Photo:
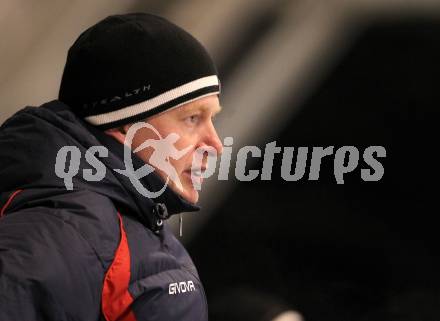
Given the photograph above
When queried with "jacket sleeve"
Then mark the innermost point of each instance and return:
(48, 270)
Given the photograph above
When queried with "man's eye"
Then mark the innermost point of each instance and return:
(193, 119)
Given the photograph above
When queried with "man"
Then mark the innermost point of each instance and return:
(97, 248)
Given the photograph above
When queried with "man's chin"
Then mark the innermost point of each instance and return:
(190, 195)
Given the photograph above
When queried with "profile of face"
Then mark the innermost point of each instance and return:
(183, 131)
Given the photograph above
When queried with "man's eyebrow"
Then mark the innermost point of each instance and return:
(204, 108)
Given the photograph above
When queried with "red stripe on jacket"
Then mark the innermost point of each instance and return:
(8, 202)
(116, 300)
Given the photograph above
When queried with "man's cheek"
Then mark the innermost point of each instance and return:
(180, 168)
(145, 154)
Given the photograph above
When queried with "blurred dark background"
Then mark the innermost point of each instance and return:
(362, 250)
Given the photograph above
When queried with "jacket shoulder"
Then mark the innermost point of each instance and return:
(51, 268)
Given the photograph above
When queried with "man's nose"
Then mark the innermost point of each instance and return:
(213, 140)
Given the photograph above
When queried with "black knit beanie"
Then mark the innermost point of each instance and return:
(129, 67)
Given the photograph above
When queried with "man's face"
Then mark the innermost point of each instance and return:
(193, 125)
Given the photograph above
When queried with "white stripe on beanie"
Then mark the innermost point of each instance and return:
(155, 102)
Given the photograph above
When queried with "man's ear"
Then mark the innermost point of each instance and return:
(118, 133)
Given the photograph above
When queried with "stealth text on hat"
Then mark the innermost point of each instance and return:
(127, 94)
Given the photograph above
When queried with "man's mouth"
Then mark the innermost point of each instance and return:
(196, 174)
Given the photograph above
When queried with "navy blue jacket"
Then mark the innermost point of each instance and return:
(97, 252)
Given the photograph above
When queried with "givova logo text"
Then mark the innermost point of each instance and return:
(181, 287)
